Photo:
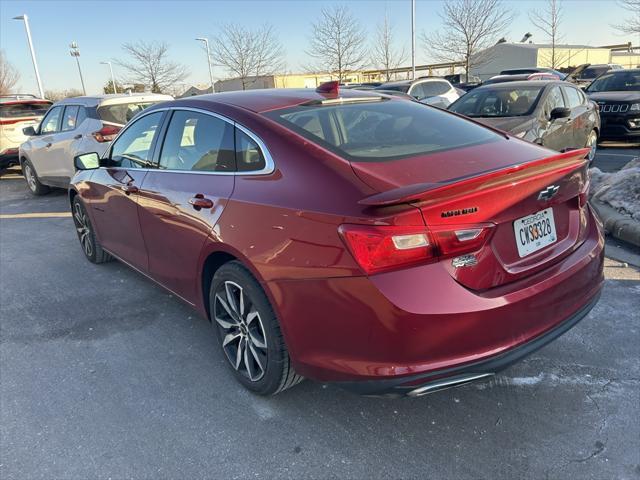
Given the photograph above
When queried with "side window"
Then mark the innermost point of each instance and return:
(132, 149)
(51, 121)
(573, 97)
(554, 100)
(69, 119)
(198, 142)
(82, 115)
(249, 157)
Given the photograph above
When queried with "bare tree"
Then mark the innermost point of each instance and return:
(247, 53)
(56, 95)
(150, 65)
(384, 54)
(632, 23)
(548, 21)
(337, 42)
(469, 27)
(9, 76)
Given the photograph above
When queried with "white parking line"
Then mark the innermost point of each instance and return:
(10, 177)
(36, 215)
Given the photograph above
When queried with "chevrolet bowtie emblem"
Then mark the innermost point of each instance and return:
(548, 193)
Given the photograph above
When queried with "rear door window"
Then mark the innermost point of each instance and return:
(574, 98)
(69, 118)
(198, 142)
(121, 113)
(382, 130)
(249, 156)
(51, 122)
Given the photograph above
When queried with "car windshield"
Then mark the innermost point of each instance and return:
(24, 109)
(619, 81)
(404, 88)
(382, 130)
(498, 102)
(121, 113)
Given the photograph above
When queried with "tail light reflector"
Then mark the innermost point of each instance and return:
(106, 134)
(383, 248)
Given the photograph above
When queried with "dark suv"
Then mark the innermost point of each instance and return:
(617, 93)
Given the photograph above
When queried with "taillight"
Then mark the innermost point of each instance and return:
(382, 248)
(106, 134)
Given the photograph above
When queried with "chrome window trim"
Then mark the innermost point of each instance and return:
(268, 169)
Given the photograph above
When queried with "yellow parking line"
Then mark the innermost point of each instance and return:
(37, 215)
(10, 177)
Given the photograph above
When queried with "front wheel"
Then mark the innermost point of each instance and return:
(249, 332)
(33, 182)
(592, 145)
(90, 245)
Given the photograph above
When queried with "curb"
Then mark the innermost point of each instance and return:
(619, 226)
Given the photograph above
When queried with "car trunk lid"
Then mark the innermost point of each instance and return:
(497, 198)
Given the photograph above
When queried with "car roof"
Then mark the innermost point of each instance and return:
(275, 98)
(522, 83)
(113, 99)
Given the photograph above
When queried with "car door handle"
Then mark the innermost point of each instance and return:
(129, 189)
(48, 145)
(78, 137)
(199, 201)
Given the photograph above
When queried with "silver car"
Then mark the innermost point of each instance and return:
(72, 127)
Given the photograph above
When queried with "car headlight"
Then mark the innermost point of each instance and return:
(635, 107)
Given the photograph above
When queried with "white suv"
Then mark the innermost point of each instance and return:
(16, 113)
(72, 127)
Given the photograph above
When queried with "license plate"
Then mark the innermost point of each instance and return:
(534, 232)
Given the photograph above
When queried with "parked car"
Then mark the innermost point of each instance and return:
(530, 70)
(347, 236)
(521, 77)
(617, 93)
(555, 114)
(590, 73)
(71, 127)
(362, 86)
(430, 90)
(459, 81)
(16, 113)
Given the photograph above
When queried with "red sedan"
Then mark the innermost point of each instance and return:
(347, 237)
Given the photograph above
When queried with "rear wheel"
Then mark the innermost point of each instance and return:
(249, 331)
(90, 245)
(30, 175)
(592, 144)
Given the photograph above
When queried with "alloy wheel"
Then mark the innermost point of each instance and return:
(83, 227)
(243, 336)
(592, 144)
(30, 176)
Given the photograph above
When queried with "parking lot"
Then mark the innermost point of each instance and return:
(105, 375)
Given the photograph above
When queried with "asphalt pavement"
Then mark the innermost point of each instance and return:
(613, 156)
(105, 375)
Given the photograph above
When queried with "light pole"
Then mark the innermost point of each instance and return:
(413, 39)
(113, 79)
(75, 52)
(33, 53)
(206, 45)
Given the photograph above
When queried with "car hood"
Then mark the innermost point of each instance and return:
(615, 96)
(508, 124)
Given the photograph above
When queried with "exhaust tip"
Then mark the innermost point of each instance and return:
(447, 383)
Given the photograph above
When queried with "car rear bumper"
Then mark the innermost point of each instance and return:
(405, 329)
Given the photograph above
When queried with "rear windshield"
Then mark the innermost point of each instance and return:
(498, 102)
(122, 112)
(24, 109)
(382, 130)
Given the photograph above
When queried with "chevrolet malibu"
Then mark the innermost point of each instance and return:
(348, 237)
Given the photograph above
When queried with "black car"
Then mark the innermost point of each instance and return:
(552, 113)
(617, 93)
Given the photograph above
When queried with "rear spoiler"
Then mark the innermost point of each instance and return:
(563, 163)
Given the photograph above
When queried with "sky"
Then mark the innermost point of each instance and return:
(100, 29)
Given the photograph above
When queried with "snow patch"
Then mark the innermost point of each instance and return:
(620, 190)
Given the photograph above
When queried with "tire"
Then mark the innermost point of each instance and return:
(592, 143)
(90, 245)
(33, 182)
(243, 316)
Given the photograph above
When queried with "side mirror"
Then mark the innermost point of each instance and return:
(87, 161)
(560, 112)
(29, 131)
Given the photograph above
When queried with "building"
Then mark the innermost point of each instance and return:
(287, 80)
(626, 59)
(195, 90)
(503, 56)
